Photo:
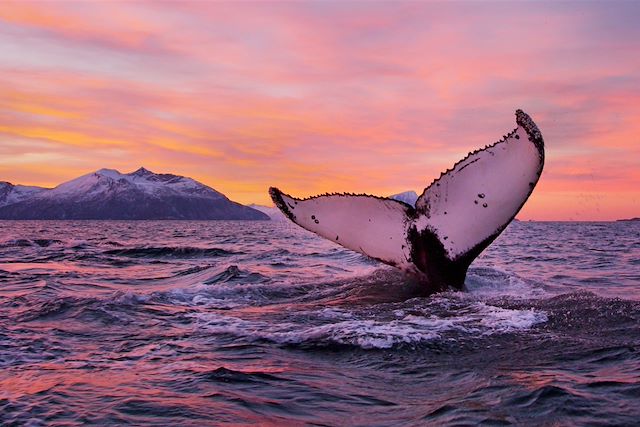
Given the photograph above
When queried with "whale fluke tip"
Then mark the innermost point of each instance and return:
(523, 120)
(276, 196)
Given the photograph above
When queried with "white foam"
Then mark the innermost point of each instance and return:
(476, 319)
(211, 302)
(506, 320)
(334, 313)
(494, 282)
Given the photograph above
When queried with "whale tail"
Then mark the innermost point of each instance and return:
(452, 222)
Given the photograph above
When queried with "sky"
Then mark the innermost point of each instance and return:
(324, 96)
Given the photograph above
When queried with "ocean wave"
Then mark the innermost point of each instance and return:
(171, 252)
(226, 375)
(111, 308)
(23, 243)
(235, 274)
(230, 290)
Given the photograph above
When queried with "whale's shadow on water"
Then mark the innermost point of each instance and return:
(382, 286)
(389, 285)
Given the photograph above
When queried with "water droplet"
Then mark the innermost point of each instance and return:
(484, 205)
(481, 195)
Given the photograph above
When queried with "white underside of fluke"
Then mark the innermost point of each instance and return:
(466, 208)
(481, 194)
(373, 226)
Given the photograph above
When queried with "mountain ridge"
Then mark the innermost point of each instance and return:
(110, 194)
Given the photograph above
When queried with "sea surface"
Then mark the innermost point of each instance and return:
(221, 322)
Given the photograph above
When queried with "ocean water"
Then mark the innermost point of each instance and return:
(209, 323)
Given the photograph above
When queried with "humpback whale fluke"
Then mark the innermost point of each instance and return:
(452, 222)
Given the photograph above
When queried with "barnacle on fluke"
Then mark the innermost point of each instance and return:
(439, 237)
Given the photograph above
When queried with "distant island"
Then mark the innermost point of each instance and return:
(274, 213)
(110, 195)
(409, 197)
(628, 220)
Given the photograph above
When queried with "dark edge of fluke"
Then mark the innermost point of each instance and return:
(535, 136)
(276, 196)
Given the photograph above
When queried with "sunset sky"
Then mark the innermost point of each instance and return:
(323, 96)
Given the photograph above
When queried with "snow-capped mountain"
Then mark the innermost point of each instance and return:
(10, 193)
(409, 197)
(109, 194)
(107, 181)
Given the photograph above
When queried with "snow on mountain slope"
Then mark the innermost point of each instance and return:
(109, 194)
(109, 180)
(10, 193)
